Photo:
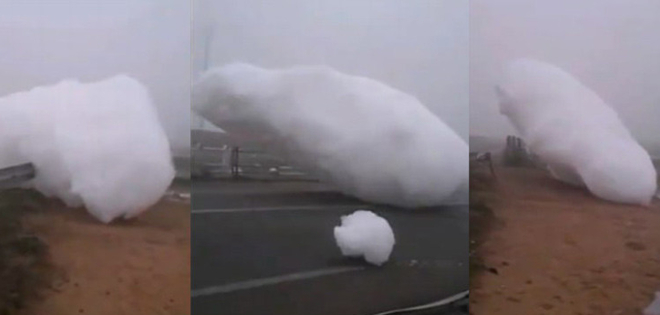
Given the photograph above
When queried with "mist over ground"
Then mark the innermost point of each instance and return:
(609, 45)
(419, 47)
(44, 42)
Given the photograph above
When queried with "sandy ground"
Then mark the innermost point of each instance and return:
(135, 267)
(555, 249)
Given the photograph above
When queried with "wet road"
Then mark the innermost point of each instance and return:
(270, 251)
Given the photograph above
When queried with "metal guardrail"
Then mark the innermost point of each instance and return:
(235, 162)
(14, 176)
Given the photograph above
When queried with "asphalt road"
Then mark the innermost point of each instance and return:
(272, 251)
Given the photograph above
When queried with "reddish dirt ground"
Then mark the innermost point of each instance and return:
(124, 268)
(555, 249)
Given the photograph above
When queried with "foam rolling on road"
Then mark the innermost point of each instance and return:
(272, 251)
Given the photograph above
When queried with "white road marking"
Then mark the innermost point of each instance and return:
(255, 283)
(442, 302)
(314, 207)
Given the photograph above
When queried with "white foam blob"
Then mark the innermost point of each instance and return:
(365, 234)
(371, 140)
(576, 133)
(98, 145)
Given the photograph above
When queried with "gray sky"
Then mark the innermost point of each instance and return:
(612, 46)
(46, 41)
(417, 46)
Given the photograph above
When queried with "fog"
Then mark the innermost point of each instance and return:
(419, 47)
(44, 42)
(609, 45)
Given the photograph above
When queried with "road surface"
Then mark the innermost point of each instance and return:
(260, 248)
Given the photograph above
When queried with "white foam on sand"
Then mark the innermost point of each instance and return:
(98, 145)
(576, 133)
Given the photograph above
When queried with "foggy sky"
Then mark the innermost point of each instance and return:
(611, 46)
(419, 47)
(44, 42)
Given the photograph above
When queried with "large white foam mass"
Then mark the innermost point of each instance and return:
(372, 141)
(99, 144)
(575, 132)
